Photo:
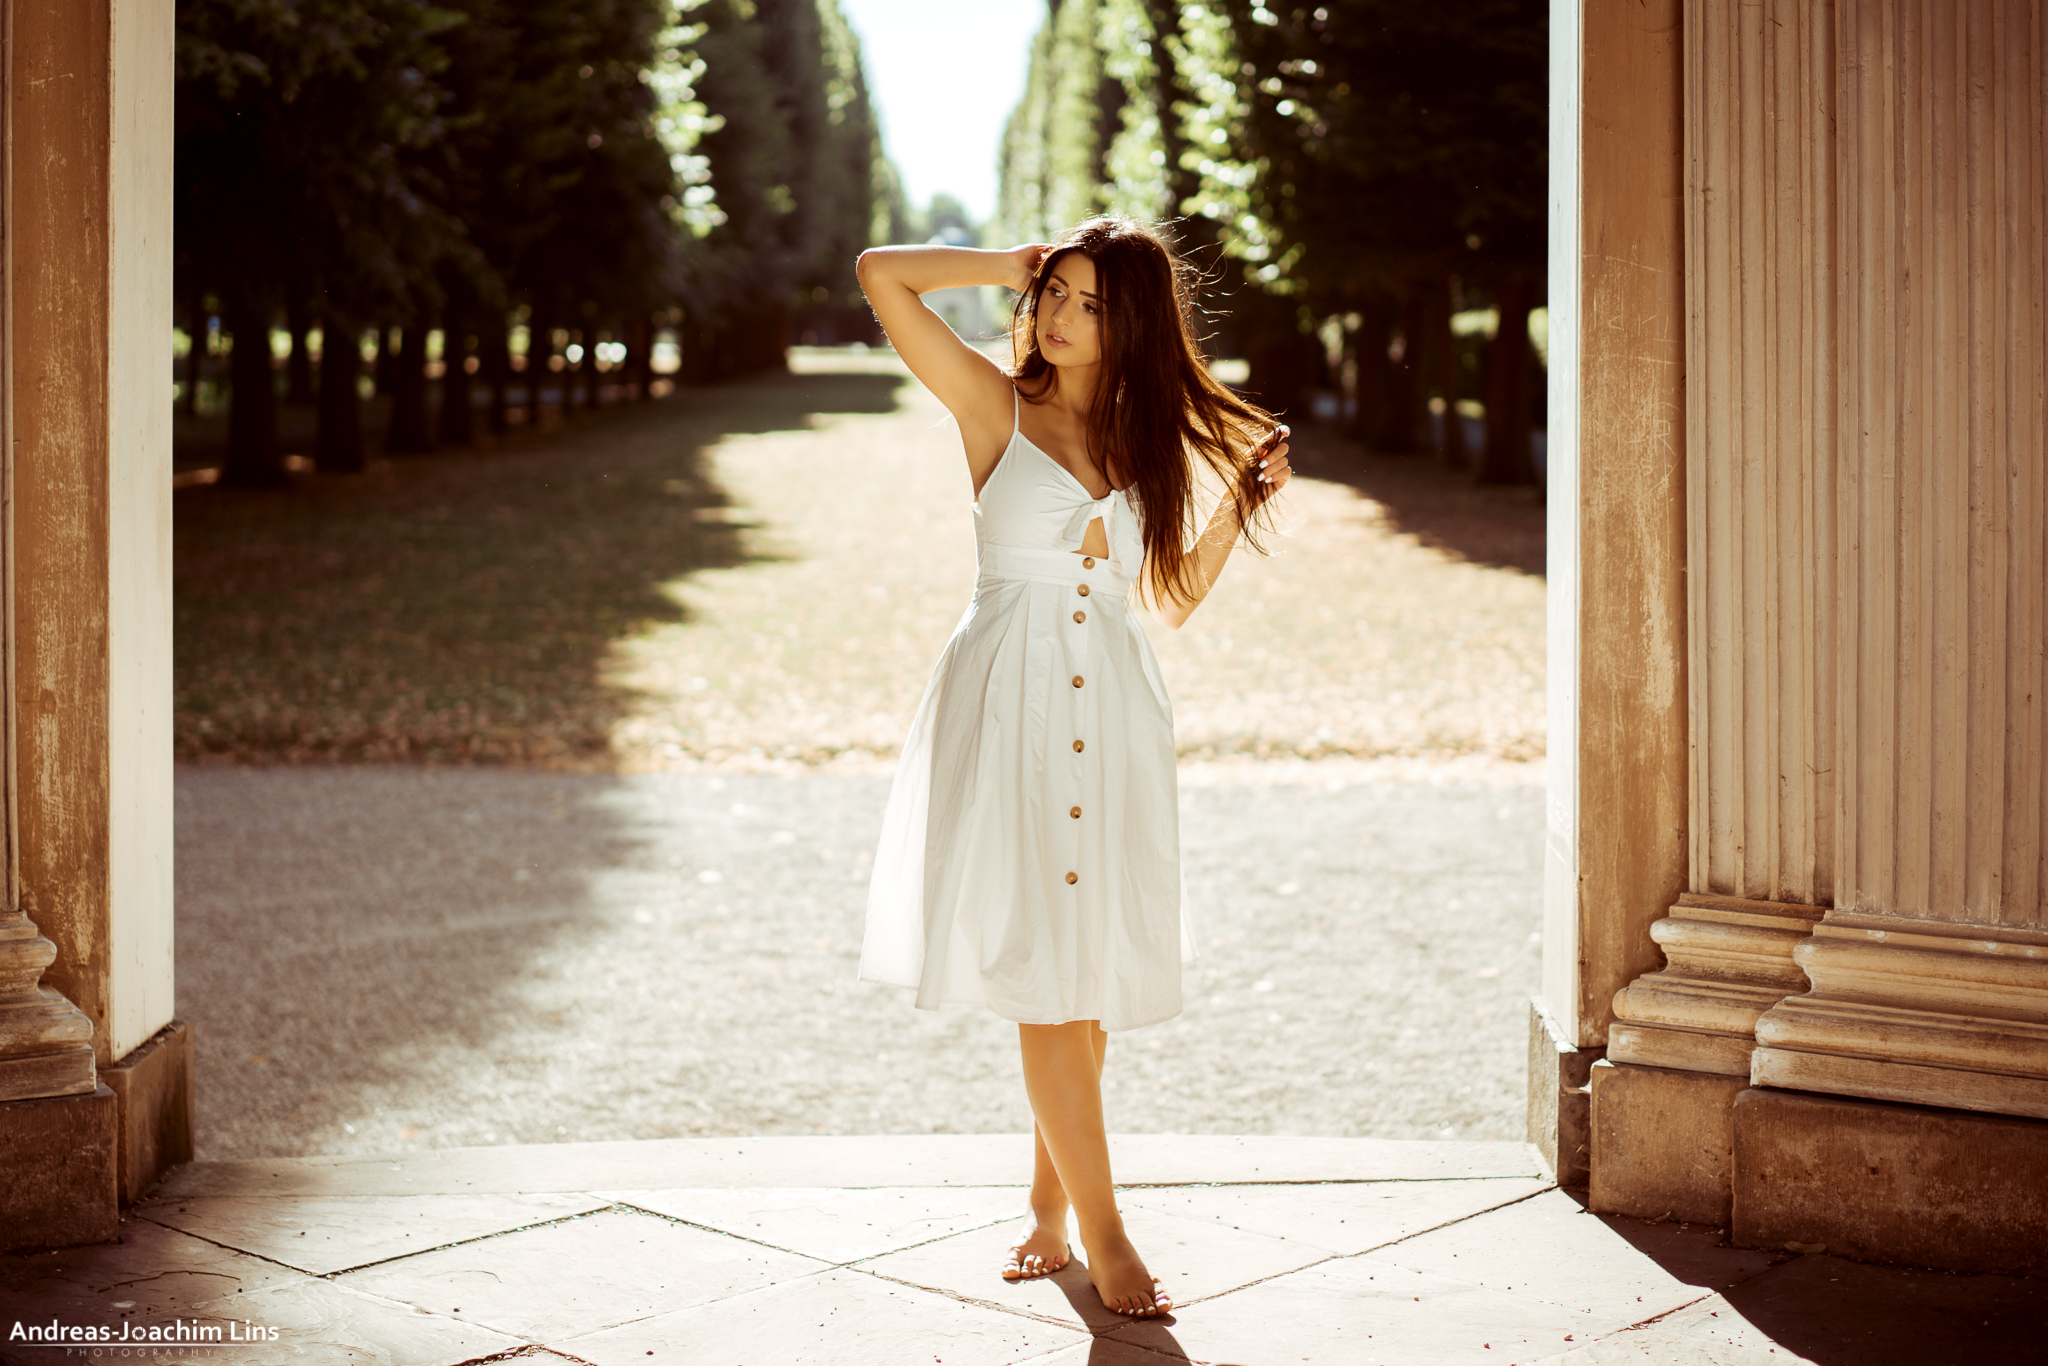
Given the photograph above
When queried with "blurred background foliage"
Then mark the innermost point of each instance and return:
(508, 195)
(1358, 179)
(471, 211)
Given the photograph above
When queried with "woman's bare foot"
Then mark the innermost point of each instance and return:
(1043, 1251)
(1120, 1277)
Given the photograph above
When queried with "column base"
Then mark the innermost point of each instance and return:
(1903, 1184)
(59, 1154)
(1560, 1106)
(1663, 1142)
(154, 1087)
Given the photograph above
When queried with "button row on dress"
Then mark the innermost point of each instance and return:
(1075, 813)
(1080, 616)
(1073, 877)
(1082, 589)
(1078, 746)
(1077, 680)
(1087, 561)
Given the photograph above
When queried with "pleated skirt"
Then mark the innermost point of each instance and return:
(1030, 850)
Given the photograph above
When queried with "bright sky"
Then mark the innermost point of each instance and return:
(944, 75)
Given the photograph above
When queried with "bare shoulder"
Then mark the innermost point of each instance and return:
(986, 425)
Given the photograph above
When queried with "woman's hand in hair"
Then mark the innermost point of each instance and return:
(1025, 261)
(1269, 467)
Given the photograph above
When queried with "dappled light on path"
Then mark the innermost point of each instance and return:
(1355, 639)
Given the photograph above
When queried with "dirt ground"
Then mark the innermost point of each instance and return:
(1357, 637)
(759, 576)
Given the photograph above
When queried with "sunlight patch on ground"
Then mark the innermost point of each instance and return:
(1353, 641)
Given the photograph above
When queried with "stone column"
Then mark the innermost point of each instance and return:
(1759, 551)
(1867, 548)
(1615, 852)
(89, 110)
(1930, 973)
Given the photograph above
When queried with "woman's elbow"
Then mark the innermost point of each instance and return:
(870, 262)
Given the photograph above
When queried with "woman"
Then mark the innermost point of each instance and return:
(1030, 855)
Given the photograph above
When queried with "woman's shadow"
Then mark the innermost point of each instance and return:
(1152, 1335)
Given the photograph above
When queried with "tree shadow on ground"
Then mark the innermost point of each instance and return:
(460, 606)
(1500, 527)
(1841, 1313)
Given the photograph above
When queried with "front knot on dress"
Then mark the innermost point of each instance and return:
(1085, 512)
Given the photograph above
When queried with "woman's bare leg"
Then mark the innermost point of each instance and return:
(1062, 1074)
(1044, 1249)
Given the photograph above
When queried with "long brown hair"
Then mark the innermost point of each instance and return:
(1157, 409)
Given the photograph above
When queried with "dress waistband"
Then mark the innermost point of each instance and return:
(1009, 564)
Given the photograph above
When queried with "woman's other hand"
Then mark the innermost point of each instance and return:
(1024, 262)
(1269, 464)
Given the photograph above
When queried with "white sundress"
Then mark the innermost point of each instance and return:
(1030, 850)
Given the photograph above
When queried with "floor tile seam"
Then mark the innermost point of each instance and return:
(238, 1251)
(783, 1286)
(963, 1298)
(1350, 1256)
(399, 1257)
(1321, 1181)
(526, 1342)
(595, 1192)
(1323, 1260)
(1160, 1352)
(823, 1270)
(1451, 1223)
(760, 1242)
(1641, 1324)
(523, 1353)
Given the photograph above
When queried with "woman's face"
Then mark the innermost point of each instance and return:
(1070, 313)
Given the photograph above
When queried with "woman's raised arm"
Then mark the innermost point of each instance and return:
(1224, 528)
(973, 389)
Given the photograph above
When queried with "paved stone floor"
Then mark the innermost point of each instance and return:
(884, 1250)
(377, 959)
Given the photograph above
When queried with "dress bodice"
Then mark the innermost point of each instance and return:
(1031, 501)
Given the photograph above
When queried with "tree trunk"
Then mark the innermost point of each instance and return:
(1402, 424)
(253, 459)
(1375, 372)
(1277, 356)
(408, 433)
(586, 369)
(1441, 350)
(195, 358)
(458, 418)
(386, 372)
(1507, 459)
(697, 342)
(494, 362)
(339, 446)
(298, 367)
(537, 346)
(640, 358)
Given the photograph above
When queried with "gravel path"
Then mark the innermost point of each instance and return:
(384, 958)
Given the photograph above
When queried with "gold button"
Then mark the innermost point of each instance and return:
(1075, 813)
(1084, 590)
(1078, 746)
(1073, 877)
(1080, 616)
(1077, 680)
(1087, 561)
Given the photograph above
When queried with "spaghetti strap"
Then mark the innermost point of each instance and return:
(1016, 412)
